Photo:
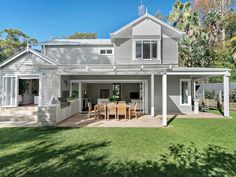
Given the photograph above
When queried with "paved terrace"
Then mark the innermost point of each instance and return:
(81, 120)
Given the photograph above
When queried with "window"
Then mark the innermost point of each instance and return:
(146, 49)
(75, 90)
(106, 51)
(185, 92)
(116, 91)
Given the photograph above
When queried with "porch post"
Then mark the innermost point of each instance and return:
(226, 94)
(40, 98)
(164, 99)
(152, 95)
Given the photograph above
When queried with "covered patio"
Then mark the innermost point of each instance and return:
(160, 90)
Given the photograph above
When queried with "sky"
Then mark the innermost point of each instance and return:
(46, 19)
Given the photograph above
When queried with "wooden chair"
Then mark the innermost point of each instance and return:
(121, 110)
(133, 111)
(111, 110)
(121, 102)
(101, 110)
(91, 112)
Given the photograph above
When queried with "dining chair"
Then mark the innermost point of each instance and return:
(91, 112)
(121, 102)
(133, 111)
(111, 110)
(121, 110)
(101, 110)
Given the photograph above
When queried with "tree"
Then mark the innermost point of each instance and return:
(183, 18)
(212, 22)
(13, 41)
(204, 7)
(195, 52)
(78, 35)
(230, 25)
(179, 14)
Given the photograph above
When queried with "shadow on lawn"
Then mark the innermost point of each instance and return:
(50, 158)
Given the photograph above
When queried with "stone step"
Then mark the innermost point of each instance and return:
(24, 113)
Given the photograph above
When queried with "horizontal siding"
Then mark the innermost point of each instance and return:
(51, 86)
(123, 51)
(20, 65)
(173, 92)
(78, 54)
(169, 51)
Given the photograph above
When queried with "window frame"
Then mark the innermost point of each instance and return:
(189, 92)
(150, 40)
(106, 49)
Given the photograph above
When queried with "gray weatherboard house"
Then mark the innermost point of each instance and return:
(141, 58)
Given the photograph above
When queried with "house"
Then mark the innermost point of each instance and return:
(139, 63)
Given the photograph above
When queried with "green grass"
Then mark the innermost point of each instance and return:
(191, 147)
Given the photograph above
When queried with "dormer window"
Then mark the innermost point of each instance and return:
(147, 49)
(106, 51)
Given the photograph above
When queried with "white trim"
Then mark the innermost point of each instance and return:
(26, 51)
(106, 48)
(196, 73)
(189, 92)
(42, 57)
(226, 95)
(4, 92)
(143, 59)
(143, 17)
(12, 58)
(152, 95)
(164, 100)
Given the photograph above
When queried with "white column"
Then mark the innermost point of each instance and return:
(194, 89)
(220, 97)
(226, 94)
(164, 99)
(40, 98)
(152, 95)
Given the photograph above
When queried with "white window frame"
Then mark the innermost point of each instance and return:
(189, 92)
(158, 49)
(14, 103)
(106, 49)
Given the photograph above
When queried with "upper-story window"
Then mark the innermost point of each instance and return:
(147, 49)
(106, 51)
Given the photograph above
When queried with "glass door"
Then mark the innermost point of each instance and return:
(9, 92)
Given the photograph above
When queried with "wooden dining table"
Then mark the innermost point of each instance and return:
(128, 107)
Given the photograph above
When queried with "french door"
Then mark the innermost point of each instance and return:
(9, 91)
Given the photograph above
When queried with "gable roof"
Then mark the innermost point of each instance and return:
(150, 17)
(45, 58)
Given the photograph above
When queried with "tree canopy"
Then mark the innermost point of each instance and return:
(210, 28)
(79, 35)
(13, 41)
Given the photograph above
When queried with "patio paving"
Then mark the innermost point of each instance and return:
(4, 124)
(80, 120)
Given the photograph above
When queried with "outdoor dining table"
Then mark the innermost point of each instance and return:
(128, 107)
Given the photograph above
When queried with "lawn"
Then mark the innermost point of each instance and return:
(191, 147)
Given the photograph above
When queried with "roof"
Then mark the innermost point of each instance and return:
(215, 86)
(198, 69)
(151, 17)
(45, 58)
(76, 42)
